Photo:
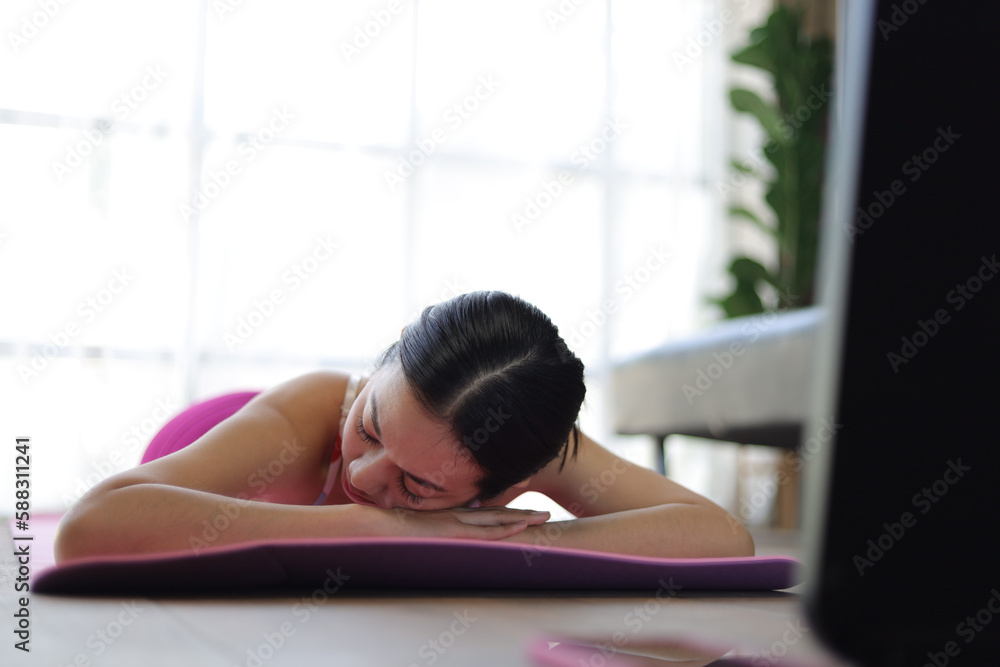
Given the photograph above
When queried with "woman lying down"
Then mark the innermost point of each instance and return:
(475, 404)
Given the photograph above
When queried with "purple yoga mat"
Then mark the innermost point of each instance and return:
(401, 563)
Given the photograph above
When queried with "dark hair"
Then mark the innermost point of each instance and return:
(494, 368)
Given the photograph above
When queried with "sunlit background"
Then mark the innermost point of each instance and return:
(205, 196)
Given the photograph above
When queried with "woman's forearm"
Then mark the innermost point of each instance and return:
(157, 518)
(664, 531)
(149, 518)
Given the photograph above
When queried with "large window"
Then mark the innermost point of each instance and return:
(208, 195)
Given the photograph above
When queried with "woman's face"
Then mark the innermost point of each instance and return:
(394, 455)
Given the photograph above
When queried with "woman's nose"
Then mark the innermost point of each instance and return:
(369, 474)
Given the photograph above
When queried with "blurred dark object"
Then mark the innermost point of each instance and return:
(905, 545)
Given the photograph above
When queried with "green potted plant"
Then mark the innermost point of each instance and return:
(795, 128)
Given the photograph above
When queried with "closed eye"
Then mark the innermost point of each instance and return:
(413, 498)
(363, 433)
(409, 495)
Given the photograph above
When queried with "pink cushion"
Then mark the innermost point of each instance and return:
(193, 423)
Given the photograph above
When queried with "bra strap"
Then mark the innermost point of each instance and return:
(352, 393)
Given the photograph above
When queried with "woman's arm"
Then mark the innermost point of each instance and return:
(252, 477)
(156, 518)
(624, 508)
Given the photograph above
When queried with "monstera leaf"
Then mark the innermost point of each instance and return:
(744, 300)
(795, 126)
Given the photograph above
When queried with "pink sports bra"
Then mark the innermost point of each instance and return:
(331, 476)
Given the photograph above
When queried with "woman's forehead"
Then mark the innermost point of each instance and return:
(417, 443)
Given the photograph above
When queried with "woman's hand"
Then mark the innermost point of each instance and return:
(490, 523)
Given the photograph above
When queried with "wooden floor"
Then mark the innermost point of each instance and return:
(411, 629)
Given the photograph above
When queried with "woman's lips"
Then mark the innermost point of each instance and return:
(353, 494)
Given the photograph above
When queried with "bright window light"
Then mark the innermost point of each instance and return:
(198, 197)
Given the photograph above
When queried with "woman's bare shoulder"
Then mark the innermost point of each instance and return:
(294, 424)
(308, 399)
(319, 382)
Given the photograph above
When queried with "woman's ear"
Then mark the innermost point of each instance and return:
(523, 484)
(506, 496)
